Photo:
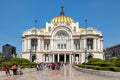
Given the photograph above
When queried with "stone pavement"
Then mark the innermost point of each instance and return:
(66, 73)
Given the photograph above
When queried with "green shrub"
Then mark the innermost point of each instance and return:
(1, 59)
(94, 60)
(117, 69)
(19, 60)
(114, 59)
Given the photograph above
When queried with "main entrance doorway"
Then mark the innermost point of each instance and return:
(62, 58)
(65, 58)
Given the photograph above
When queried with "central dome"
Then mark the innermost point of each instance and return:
(62, 18)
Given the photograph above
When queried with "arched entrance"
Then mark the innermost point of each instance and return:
(90, 56)
(33, 58)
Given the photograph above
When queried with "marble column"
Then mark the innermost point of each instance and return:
(94, 44)
(51, 44)
(25, 44)
(85, 46)
(72, 44)
(70, 58)
(38, 48)
(42, 44)
(29, 44)
(58, 57)
(53, 59)
(98, 44)
(64, 57)
(81, 44)
(79, 58)
(22, 45)
(101, 45)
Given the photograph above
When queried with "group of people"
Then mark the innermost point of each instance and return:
(15, 68)
(55, 67)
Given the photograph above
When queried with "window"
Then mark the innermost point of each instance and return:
(34, 31)
(89, 32)
(65, 46)
(47, 46)
(61, 46)
(90, 44)
(58, 46)
(74, 28)
(49, 29)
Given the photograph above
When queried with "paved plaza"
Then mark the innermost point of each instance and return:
(66, 73)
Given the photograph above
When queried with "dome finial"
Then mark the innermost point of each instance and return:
(62, 11)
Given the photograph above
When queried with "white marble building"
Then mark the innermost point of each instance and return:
(62, 40)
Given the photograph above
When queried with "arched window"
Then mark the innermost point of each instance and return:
(90, 44)
(89, 32)
(33, 44)
(34, 31)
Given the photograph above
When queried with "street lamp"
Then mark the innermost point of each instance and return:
(30, 58)
(86, 45)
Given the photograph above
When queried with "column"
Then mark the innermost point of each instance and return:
(22, 45)
(58, 57)
(98, 44)
(94, 44)
(65, 58)
(69, 43)
(85, 46)
(72, 44)
(81, 44)
(54, 44)
(25, 45)
(51, 44)
(79, 58)
(38, 48)
(101, 45)
(70, 59)
(43, 44)
(41, 59)
(53, 59)
(29, 44)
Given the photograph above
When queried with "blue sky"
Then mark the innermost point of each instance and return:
(17, 16)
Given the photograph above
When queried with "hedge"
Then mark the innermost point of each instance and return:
(116, 69)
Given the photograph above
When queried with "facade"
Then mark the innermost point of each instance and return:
(8, 52)
(62, 40)
(113, 51)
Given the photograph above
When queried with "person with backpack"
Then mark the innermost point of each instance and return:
(6, 69)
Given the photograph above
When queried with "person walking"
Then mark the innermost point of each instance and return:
(19, 70)
(14, 68)
(6, 69)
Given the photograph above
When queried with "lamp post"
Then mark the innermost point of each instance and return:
(86, 45)
(30, 58)
(36, 50)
